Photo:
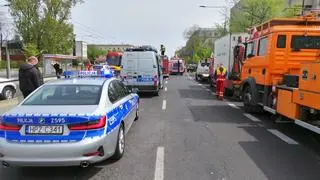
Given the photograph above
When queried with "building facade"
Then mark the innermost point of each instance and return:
(81, 50)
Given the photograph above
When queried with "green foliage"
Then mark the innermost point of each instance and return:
(44, 23)
(30, 50)
(220, 30)
(13, 64)
(249, 13)
(94, 52)
(292, 11)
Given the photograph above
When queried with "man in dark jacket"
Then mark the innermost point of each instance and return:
(30, 77)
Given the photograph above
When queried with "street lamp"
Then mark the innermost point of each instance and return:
(5, 5)
(203, 6)
(217, 7)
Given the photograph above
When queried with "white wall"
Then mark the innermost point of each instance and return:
(81, 49)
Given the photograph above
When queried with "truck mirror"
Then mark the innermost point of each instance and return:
(250, 55)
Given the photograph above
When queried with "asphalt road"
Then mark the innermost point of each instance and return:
(186, 134)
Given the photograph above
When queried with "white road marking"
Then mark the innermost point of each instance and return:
(208, 90)
(164, 104)
(200, 84)
(283, 137)
(213, 93)
(252, 118)
(165, 89)
(166, 82)
(158, 173)
(233, 105)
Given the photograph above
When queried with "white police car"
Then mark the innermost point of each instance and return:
(69, 122)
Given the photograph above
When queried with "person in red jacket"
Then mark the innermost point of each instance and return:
(89, 66)
(220, 75)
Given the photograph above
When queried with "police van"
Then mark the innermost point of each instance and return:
(141, 69)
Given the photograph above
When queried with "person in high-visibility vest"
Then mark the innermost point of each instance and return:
(162, 49)
(220, 75)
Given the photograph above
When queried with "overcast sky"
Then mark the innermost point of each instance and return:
(140, 22)
(137, 22)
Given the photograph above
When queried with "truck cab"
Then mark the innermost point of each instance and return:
(273, 56)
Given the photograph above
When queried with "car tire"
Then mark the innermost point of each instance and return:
(156, 93)
(137, 113)
(120, 147)
(8, 93)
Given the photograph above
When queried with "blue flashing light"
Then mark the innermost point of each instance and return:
(104, 71)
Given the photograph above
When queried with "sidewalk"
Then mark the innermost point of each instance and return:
(6, 105)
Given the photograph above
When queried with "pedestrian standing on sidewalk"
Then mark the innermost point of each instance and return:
(30, 77)
(58, 70)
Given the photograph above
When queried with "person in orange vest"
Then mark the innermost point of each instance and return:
(220, 75)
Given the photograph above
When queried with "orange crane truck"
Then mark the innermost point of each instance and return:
(281, 73)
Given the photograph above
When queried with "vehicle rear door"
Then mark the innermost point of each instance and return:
(147, 68)
(130, 68)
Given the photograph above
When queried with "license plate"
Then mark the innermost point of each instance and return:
(56, 130)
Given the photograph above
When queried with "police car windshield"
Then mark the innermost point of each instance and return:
(66, 95)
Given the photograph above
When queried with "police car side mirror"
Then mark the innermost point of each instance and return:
(133, 90)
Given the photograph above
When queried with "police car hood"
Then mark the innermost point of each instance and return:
(31, 109)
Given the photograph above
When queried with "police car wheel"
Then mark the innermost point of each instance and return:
(137, 113)
(120, 144)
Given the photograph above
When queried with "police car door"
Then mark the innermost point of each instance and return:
(129, 104)
(115, 113)
(122, 104)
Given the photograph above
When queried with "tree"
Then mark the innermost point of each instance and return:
(248, 13)
(292, 11)
(220, 30)
(190, 31)
(94, 52)
(44, 23)
(30, 50)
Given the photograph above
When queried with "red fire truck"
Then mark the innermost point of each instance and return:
(176, 66)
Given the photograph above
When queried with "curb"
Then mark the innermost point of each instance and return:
(11, 102)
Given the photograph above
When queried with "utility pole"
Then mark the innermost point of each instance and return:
(302, 9)
(8, 61)
(0, 42)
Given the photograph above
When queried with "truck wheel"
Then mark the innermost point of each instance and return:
(249, 105)
(305, 114)
(228, 92)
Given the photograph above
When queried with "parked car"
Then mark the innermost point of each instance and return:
(7, 89)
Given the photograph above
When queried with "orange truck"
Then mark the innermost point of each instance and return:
(280, 73)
